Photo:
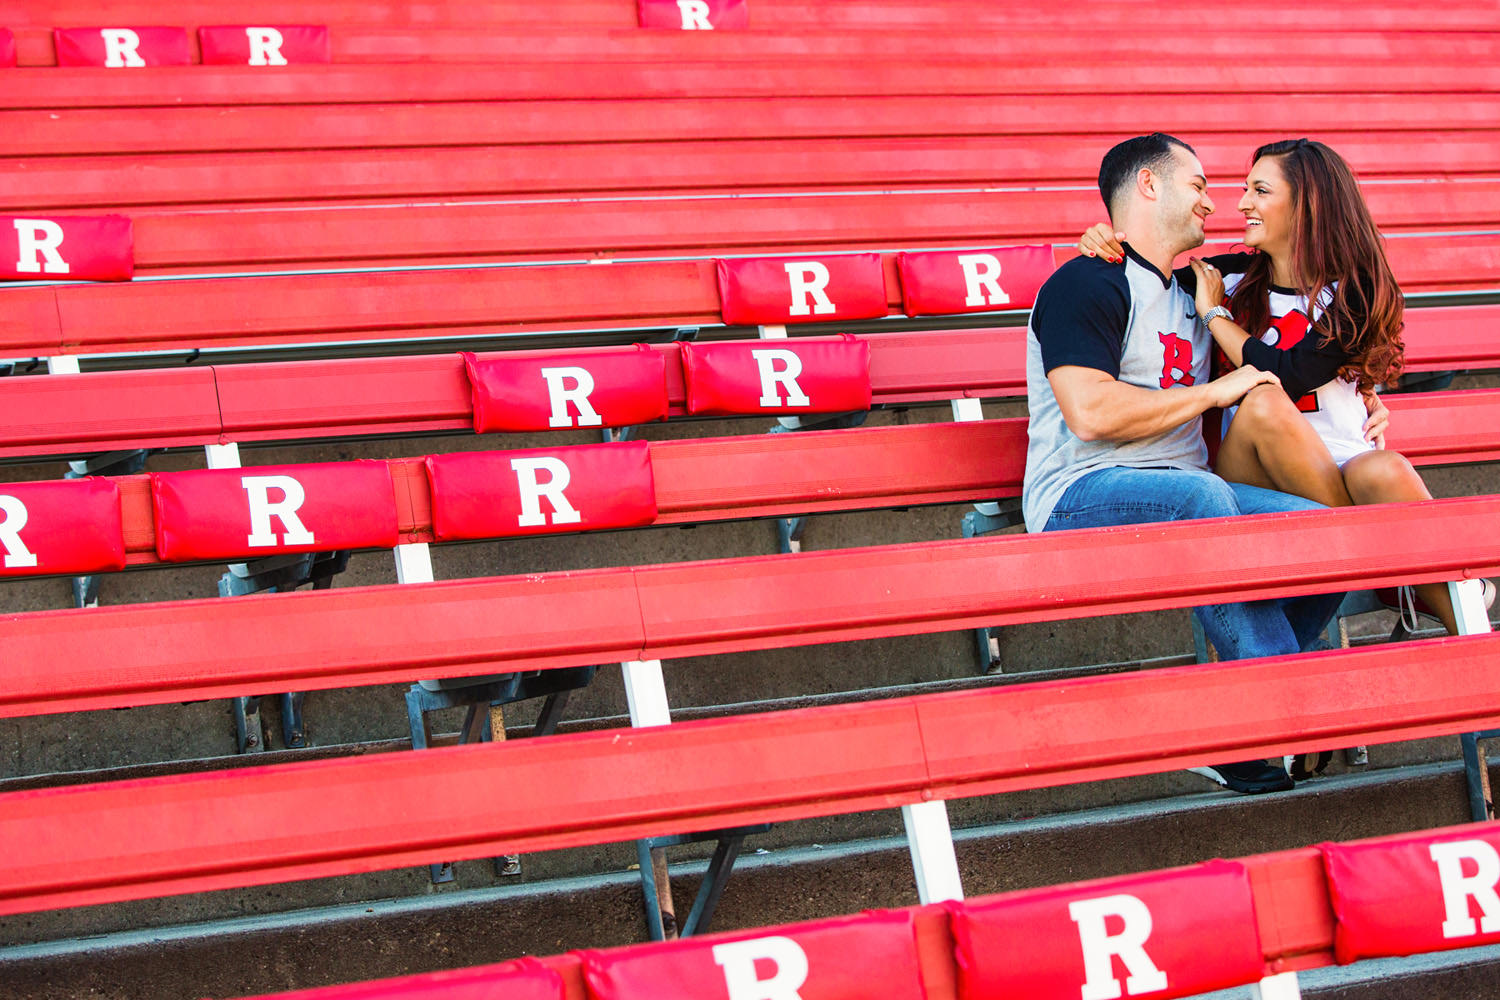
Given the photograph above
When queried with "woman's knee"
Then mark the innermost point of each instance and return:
(1268, 407)
(1383, 477)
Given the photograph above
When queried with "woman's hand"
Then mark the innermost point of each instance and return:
(1102, 241)
(1378, 420)
(1210, 291)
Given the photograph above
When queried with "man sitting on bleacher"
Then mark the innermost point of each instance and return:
(1117, 374)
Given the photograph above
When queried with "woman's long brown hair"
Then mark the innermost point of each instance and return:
(1336, 249)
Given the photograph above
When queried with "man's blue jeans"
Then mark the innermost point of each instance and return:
(1121, 495)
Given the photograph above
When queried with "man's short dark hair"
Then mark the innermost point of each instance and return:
(1120, 164)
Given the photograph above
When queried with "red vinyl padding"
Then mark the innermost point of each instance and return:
(70, 526)
(694, 15)
(120, 47)
(836, 959)
(264, 45)
(66, 248)
(1173, 934)
(1412, 894)
(535, 391)
(541, 491)
(805, 375)
(268, 510)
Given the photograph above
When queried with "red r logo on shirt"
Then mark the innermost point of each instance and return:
(1287, 332)
(1177, 360)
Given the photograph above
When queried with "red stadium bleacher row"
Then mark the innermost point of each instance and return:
(237, 178)
(785, 15)
(281, 401)
(458, 231)
(1171, 933)
(98, 525)
(356, 43)
(372, 83)
(1034, 152)
(791, 289)
(414, 304)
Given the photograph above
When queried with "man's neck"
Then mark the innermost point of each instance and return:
(1149, 248)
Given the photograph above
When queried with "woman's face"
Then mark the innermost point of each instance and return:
(1267, 207)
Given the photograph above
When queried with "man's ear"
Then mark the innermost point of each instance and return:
(1145, 183)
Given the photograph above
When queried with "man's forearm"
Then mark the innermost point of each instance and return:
(1118, 411)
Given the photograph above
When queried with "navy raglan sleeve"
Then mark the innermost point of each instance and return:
(1303, 367)
(1081, 315)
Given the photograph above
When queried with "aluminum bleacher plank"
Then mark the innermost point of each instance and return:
(103, 657)
(1437, 428)
(709, 479)
(1392, 700)
(162, 408)
(344, 816)
(48, 87)
(469, 124)
(1032, 44)
(869, 15)
(291, 400)
(406, 305)
(344, 398)
(698, 609)
(465, 629)
(389, 305)
(311, 176)
(624, 227)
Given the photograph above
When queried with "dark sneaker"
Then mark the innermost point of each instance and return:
(1302, 766)
(1251, 776)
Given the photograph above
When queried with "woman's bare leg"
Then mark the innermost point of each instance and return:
(1271, 444)
(1387, 477)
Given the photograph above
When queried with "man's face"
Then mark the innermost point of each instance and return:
(1183, 205)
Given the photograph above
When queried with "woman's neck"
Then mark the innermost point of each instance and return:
(1281, 271)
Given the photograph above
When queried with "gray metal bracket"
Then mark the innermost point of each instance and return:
(1477, 774)
(478, 700)
(976, 523)
(661, 922)
(789, 529)
(277, 574)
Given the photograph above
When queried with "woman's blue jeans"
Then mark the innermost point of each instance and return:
(1247, 629)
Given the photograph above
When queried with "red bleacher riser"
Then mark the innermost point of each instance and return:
(872, 15)
(219, 85)
(468, 124)
(108, 657)
(319, 175)
(345, 816)
(1015, 45)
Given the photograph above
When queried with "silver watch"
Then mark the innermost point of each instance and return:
(1215, 313)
